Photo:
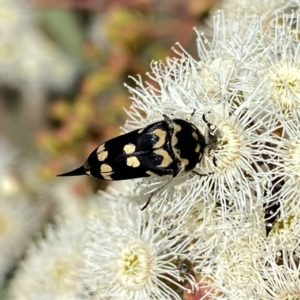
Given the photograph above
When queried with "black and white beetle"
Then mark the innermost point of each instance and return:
(163, 148)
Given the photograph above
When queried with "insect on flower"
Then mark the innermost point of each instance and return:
(163, 148)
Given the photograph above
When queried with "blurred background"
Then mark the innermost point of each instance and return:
(63, 65)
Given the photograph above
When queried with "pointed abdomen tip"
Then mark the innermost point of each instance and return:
(77, 172)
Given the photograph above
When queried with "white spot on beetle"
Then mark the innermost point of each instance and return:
(102, 155)
(133, 161)
(198, 147)
(174, 139)
(129, 148)
(167, 159)
(101, 148)
(161, 134)
(106, 171)
(195, 136)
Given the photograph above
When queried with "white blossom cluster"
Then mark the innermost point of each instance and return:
(28, 59)
(19, 217)
(230, 232)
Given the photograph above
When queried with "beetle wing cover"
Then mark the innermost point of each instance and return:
(133, 155)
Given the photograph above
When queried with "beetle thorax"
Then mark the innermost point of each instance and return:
(176, 145)
(187, 144)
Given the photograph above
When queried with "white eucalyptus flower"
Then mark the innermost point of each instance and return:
(280, 67)
(43, 65)
(19, 220)
(244, 95)
(10, 57)
(204, 233)
(230, 111)
(52, 267)
(251, 8)
(15, 16)
(128, 257)
(280, 276)
(285, 184)
(8, 155)
(231, 262)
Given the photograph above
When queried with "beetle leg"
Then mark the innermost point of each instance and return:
(155, 192)
(202, 175)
